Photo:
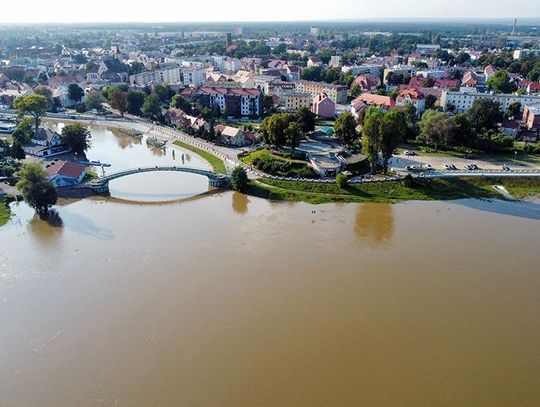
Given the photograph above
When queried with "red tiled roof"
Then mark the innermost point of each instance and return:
(65, 168)
(372, 99)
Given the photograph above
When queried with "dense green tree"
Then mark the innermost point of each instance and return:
(341, 181)
(75, 92)
(306, 120)
(435, 129)
(24, 131)
(293, 135)
(484, 114)
(273, 128)
(430, 101)
(179, 102)
(77, 137)
(514, 110)
(37, 190)
(345, 128)
(371, 136)
(356, 90)
(33, 105)
(239, 179)
(135, 102)
(393, 131)
(94, 100)
(164, 93)
(152, 108)
(500, 83)
(47, 92)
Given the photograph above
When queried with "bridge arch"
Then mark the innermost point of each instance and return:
(101, 184)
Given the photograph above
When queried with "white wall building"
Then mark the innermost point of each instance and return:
(463, 101)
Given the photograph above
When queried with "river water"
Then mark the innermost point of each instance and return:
(228, 300)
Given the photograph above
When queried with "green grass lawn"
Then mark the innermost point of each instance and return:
(437, 189)
(276, 164)
(216, 162)
(266, 155)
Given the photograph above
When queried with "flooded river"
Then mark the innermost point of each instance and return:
(228, 300)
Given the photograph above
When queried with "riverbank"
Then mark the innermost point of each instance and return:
(392, 192)
(217, 163)
(5, 212)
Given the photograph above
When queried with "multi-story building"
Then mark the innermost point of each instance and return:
(463, 101)
(234, 102)
(531, 116)
(293, 101)
(169, 75)
(411, 96)
(193, 76)
(337, 93)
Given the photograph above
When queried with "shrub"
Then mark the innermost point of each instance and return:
(341, 181)
(408, 181)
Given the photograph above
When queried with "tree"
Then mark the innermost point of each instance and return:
(484, 115)
(430, 101)
(293, 135)
(118, 101)
(514, 110)
(371, 135)
(75, 92)
(135, 102)
(47, 92)
(435, 129)
(36, 188)
(94, 100)
(77, 137)
(306, 120)
(345, 128)
(393, 131)
(273, 128)
(152, 108)
(24, 131)
(179, 102)
(164, 92)
(356, 90)
(500, 83)
(239, 179)
(33, 105)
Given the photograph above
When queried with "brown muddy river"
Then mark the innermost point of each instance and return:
(225, 300)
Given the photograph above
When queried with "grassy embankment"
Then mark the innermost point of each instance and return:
(423, 190)
(274, 163)
(5, 213)
(216, 162)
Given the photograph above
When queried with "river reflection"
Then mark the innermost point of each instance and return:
(240, 203)
(374, 223)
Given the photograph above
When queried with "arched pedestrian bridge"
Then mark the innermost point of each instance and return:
(101, 184)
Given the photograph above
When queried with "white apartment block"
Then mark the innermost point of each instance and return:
(167, 75)
(193, 76)
(463, 101)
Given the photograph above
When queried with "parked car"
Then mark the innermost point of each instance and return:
(505, 167)
(409, 152)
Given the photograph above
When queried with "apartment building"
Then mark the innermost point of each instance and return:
(235, 102)
(171, 75)
(294, 101)
(463, 101)
(337, 93)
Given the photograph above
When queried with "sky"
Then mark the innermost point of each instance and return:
(68, 11)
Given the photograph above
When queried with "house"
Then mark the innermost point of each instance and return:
(112, 70)
(65, 173)
(313, 62)
(370, 99)
(531, 116)
(60, 88)
(489, 71)
(174, 117)
(510, 128)
(45, 142)
(323, 106)
(411, 96)
(231, 136)
(367, 83)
